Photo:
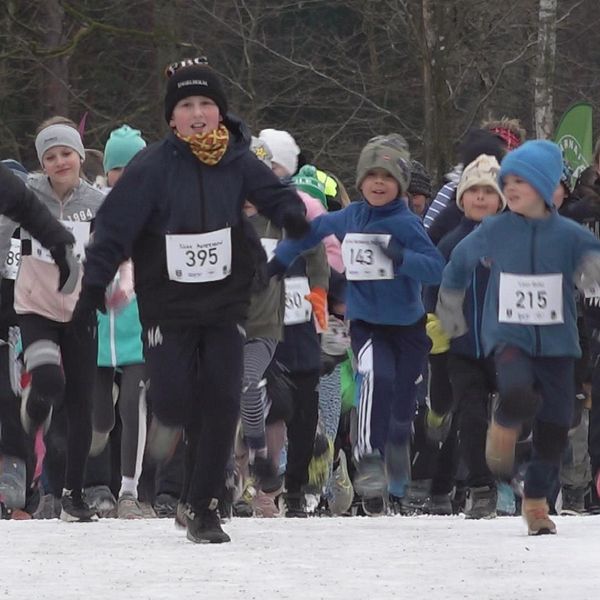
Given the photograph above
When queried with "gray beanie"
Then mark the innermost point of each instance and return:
(58, 135)
(389, 152)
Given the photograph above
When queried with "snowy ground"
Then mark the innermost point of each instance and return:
(427, 558)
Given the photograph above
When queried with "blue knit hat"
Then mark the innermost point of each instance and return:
(122, 145)
(539, 163)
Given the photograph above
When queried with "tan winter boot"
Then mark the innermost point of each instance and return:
(500, 449)
(535, 512)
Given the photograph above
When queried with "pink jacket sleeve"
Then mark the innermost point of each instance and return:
(333, 248)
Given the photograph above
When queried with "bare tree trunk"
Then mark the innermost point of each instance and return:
(55, 95)
(544, 75)
(434, 93)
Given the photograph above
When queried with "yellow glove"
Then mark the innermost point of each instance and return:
(438, 337)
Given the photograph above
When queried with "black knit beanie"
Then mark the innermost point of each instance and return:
(194, 80)
(420, 182)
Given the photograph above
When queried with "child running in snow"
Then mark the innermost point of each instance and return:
(120, 347)
(387, 256)
(529, 320)
(60, 354)
(470, 372)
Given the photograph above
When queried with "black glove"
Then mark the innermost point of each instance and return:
(68, 267)
(393, 250)
(275, 268)
(295, 225)
(91, 299)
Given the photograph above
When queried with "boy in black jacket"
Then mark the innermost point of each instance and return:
(177, 211)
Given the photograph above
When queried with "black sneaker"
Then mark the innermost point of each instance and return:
(265, 474)
(438, 504)
(204, 525)
(295, 506)
(74, 507)
(370, 479)
(165, 506)
(481, 502)
(573, 500)
(375, 506)
(416, 496)
(242, 509)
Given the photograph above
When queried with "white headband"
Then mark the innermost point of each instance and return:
(58, 135)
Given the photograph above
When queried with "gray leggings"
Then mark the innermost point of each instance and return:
(132, 409)
(258, 353)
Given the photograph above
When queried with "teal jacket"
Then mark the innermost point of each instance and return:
(120, 337)
(510, 243)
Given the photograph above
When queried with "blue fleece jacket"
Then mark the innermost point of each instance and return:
(385, 302)
(510, 243)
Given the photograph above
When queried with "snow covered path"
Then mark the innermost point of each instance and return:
(427, 558)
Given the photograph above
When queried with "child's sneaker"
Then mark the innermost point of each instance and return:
(342, 492)
(535, 513)
(370, 480)
(102, 501)
(264, 505)
(204, 525)
(438, 504)
(294, 505)
(165, 506)
(128, 507)
(48, 508)
(415, 497)
(500, 449)
(573, 500)
(506, 505)
(318, 468)
(481, 502)
(375, 506)
(75, 508)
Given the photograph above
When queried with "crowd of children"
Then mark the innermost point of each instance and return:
(209, 328)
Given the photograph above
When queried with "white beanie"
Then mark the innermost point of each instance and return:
(283, 147)
(483, 170)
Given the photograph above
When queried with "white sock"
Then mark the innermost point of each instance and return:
(128, 486)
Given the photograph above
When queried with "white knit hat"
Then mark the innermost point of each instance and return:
(483, 170)
(283, 147)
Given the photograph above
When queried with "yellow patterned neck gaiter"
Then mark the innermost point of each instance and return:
(210, 147)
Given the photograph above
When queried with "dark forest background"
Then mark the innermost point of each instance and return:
(333, 73)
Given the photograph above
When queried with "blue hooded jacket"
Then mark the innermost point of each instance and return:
(386, 302)
(511, 243)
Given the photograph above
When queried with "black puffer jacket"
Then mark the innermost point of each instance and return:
(167, 190)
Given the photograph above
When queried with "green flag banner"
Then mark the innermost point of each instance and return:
(574, 136)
